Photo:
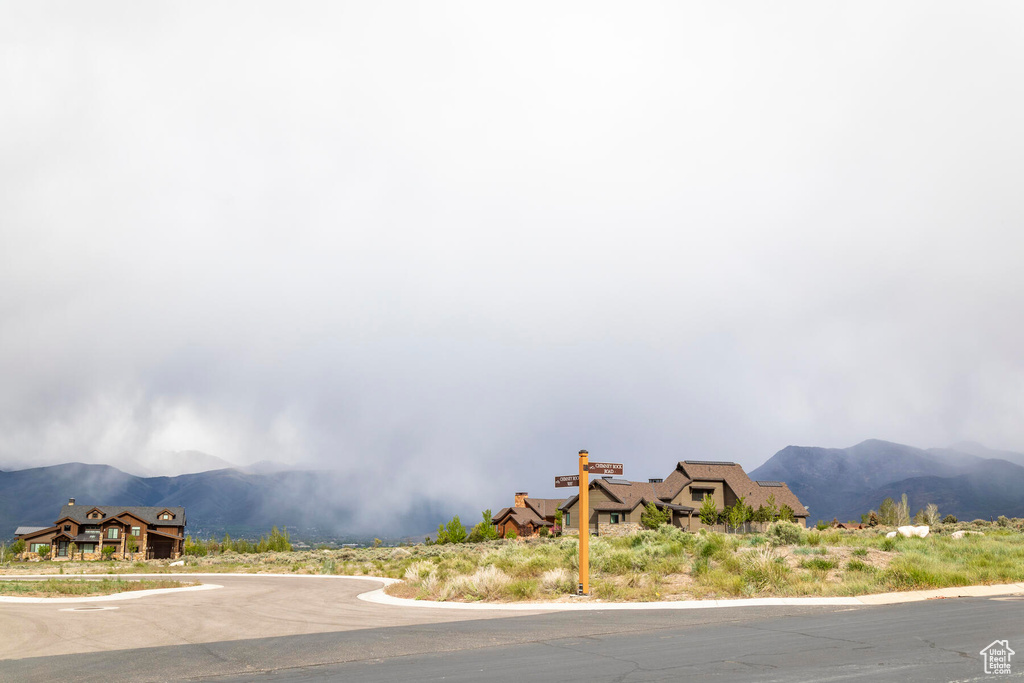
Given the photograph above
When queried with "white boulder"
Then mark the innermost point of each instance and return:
(960, 534)
(179, 563)
(891, 534)
(911, 531)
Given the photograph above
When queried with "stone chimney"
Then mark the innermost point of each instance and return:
(521, 499)
(71, 501)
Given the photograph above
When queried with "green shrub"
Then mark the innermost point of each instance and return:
(108, 552)
(858, 566)
(652, 517)
(44, 552)
(194, 549)
(820, 563)
(888, 544)
(544, 533)
(1003, 521)
(511, 534)
(821, 525)
(950, 519)
(764, 569)
(860, 552)
(783, 533)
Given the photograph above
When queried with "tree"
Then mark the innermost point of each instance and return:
(950, 519)
(903, 511)
(652, 517)
(453, 532)
(44, 552)
(72, 549)
(931, 514)
(484, 530)
(130, 545)
(786, 514)
(558, 522)
(108, 552)
(887, 514)
(762, 514)
(708, 511)
(772, 507)
(740, 513)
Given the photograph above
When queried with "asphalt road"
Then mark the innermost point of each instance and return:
(346, 639)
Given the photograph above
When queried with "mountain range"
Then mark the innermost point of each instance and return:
(966, 480)
(312, 504)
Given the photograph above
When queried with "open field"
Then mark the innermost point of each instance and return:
(652, 565)
(64, 588)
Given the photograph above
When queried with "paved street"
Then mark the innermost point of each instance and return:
(290, 629)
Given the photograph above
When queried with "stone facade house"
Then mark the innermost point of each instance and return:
(158, 532)
(616, 504)
(527, 516)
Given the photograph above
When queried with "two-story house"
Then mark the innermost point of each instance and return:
(616, 504)
(157, 532)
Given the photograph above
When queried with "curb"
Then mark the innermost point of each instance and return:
(378, 596)
(130, 595)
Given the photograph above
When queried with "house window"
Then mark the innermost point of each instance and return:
(697, 495)
(565, 519)
(614, 517)
(135, 531)
(88, 547)
(112, 532)
(67, 527)
(165, 516)
(34, 547)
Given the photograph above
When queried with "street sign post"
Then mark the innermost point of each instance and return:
(583, 481)
(584, 522)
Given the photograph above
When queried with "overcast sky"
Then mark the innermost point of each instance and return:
(448, 245)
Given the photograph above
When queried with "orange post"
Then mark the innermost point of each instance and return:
(584, 524)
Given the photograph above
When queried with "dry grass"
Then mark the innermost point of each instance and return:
(62, 588)
(667, 564)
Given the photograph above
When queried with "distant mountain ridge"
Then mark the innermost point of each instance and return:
(316, 504)
(844, 483)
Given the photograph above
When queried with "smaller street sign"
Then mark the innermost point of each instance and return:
(605, 468)
(567, 480)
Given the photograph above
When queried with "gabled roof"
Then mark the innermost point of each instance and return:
(26, 530)
(149, 515)
(544, 507)
(521, 516)
(754, 494)
(627, 495)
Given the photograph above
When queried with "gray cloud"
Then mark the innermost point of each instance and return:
(446, 246)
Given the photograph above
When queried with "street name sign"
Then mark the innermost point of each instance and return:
(605, 468)
(567, 480)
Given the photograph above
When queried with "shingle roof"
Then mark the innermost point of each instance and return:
(29, 529)
(146, 514)
(545, 507)
(753, 494)
(521, 516)
(627, 495)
